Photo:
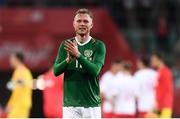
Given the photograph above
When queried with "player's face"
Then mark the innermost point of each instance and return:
(117, 67)
(139, 64)
(120, 67)
(82, 24)
(13, 61)
(154, 61)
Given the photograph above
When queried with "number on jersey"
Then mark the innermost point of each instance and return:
(78, 65)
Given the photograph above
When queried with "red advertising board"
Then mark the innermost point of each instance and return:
(39, 32)
(39, 51)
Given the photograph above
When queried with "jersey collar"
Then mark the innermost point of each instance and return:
(81, 44)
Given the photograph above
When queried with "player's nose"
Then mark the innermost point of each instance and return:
(82, 23)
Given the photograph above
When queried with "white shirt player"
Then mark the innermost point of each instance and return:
(147, 81)
(125, 91)
(106, 87)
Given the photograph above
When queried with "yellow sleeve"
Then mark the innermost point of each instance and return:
(11, 100)
(166, 113)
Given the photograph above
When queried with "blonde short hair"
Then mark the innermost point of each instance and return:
(84, 11)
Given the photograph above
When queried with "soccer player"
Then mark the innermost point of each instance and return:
(106, 85)
(164, 91)
(125, 91)
(81, 59)
(147, 81)
(20, 102)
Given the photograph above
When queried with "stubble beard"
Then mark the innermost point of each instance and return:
(82, 34)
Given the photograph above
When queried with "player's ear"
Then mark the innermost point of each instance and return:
(92, 25)
(73, 23)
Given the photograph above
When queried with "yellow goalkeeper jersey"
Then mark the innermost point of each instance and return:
(21, 97)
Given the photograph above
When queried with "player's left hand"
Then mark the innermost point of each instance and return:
(72, 48)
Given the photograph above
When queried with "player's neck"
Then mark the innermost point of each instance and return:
(20, 65)
(127, 72)
(143, 67)
(82, 39)
(113, 71)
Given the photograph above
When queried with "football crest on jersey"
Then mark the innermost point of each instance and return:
(88, 53)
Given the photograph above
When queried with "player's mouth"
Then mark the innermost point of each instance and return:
(82, 28)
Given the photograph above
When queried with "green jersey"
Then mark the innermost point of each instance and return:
(81, 76)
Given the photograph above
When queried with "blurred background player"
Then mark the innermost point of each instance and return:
(147, 82)
(125, 90)
(81, 59)
(106, 85)
(164, 91)
(20, 102)
(52, 93)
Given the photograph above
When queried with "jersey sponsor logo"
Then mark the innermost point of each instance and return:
(88, 53)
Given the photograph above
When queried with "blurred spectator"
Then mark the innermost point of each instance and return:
(133, 36)
(52, 93)
(144, 12)
(142, 41)
(176, 67)
(164, 90)
(106, 85)
(176, 75)
(162, 34)
(147, 37)
(20, 102)
(147, 81)
(125, 93)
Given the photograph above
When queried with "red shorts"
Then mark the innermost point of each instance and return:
(108, 115)
(142, 114)
(147, 115)
(123, 116)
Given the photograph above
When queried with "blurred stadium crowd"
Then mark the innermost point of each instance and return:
(146, 25)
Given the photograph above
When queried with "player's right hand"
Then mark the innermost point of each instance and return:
(72, 48)
(69, 58)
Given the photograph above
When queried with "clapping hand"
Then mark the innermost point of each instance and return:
(72, 49)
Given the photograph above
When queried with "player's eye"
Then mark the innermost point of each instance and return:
(86, 21)
(79, 21)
